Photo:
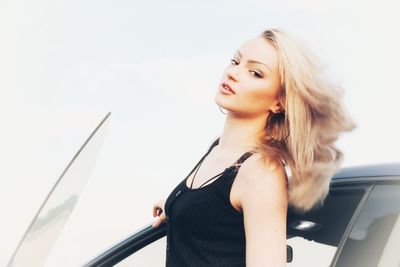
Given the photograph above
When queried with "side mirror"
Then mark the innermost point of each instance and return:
(289, 253)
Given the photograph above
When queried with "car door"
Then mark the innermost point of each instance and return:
(374, 239)
(52, 215)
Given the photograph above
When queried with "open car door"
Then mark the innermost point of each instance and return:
(55, 210)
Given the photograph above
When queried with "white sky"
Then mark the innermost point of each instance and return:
(156, 66)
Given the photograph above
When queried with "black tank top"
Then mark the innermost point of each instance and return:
(203, 228)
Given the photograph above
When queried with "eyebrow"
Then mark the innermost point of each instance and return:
(254, 61)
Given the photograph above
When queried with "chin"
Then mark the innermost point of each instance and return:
(219, 99)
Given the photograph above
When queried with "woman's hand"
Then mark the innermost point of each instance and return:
(159, 210)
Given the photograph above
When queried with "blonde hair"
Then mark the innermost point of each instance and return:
(302, 137)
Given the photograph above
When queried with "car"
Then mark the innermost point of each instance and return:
(358, 224)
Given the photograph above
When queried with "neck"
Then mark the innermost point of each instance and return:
(241, 133)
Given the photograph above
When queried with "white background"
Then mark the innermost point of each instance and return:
(156, 66)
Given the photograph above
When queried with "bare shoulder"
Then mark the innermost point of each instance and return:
(262, 181)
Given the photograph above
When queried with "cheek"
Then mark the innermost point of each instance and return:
(259, 97)
(262, 94)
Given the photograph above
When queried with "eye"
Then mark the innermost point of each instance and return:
(255, 74)
(234, 62)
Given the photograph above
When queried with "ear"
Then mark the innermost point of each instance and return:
(276, 107)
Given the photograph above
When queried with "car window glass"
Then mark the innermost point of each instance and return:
(375, 237)
(315, 235)
(41, 235)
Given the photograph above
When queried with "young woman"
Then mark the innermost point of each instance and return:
(282, 112)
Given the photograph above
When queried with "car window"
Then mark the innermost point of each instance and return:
(152, 255)
(315, 235)
(374, 239)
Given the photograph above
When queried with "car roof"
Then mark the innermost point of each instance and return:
(369, 170)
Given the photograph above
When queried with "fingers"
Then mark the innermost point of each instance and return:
(162, 216)
(158, 210)
(159, 220)
(155, 211)
(158, 207)
(156, 224)
(155, 208)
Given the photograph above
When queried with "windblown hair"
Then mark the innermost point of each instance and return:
(302, 137)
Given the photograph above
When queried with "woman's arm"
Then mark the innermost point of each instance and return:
(263, 197)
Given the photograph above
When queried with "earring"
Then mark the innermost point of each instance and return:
(277, 118)
(221, 110)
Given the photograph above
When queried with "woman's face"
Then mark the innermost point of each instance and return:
(253, 76)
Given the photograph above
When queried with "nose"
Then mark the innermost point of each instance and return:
(231, 73)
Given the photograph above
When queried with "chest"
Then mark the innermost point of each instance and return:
(205, 209)
(212, 173)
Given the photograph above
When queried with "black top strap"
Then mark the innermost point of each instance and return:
(236, 163)
(202, 158)
(234, 166)
(216, 142)
(245, 156)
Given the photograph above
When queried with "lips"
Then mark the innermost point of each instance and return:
(225, 85)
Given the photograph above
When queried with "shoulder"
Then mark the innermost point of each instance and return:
(263, 182)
